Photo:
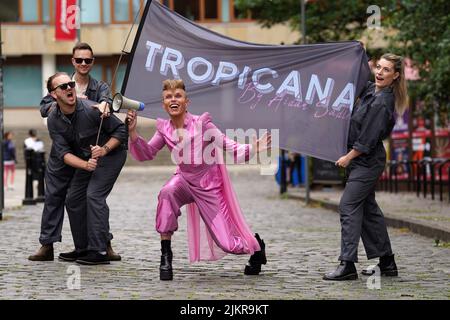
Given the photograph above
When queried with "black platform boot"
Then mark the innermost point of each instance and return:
(387, 267)
(345, 271)
(165, 268)
(258, 258)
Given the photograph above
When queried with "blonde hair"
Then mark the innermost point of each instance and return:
(399, 84)
(172, 84)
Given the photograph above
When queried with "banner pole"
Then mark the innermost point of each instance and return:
(79, 22)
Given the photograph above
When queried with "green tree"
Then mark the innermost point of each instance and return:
(424, 36)
(325, 20)
(421, 32)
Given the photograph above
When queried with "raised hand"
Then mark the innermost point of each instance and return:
(104, 108)
(264, 143)
(131, 120)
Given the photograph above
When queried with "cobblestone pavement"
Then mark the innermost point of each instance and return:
(302, 244)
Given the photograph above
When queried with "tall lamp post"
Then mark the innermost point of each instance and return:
(303, 29)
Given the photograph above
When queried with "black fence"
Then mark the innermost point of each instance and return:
(420, 176)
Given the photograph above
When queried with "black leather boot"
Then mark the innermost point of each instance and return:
(258, 258)
(387, 267)
(165, 268)
(345, 271)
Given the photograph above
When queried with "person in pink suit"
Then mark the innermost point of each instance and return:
(216, 225)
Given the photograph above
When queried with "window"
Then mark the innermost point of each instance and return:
(46, 10)
(106, 11)
(189, 9)
(124, 11)
(22, 83)
(31, 11)
(91, 12)
(121, 11)
(196, 10)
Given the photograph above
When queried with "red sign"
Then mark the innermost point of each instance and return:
(66, 20)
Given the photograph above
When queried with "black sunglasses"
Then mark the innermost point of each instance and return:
(86, 60)
(64, 86)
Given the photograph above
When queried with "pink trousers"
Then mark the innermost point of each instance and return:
(212, 208)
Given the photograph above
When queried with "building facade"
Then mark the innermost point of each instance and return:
(32, 54)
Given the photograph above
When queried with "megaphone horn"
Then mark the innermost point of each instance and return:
(120, 102)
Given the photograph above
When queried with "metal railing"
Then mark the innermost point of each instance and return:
(421, 176)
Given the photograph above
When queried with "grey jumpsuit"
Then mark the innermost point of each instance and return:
(372, 121)
(86, 197)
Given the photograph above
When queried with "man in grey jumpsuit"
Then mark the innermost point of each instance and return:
(73, 127)
(58, 175)
(58, 179)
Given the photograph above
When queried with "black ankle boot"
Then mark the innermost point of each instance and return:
(253, 266)
(386, 265)
(165, 268)
(345, 271)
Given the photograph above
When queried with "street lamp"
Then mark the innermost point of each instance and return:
(303, 27)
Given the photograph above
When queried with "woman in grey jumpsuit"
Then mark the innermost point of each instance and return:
(372, 121)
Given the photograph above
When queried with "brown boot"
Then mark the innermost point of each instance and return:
(112, 256)
(45, 253)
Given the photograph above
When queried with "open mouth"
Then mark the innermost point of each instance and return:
(379, 78)
(174, 106)
(70, 95)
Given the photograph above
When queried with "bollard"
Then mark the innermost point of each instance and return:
(433, 178)
(392, 174)
(424, 178)
(441, 188)
(396, 177)
(389, 177)
(418, 171)
(40, 173)
(388, 173)
(410, 173)
(283, 182)
(28, 178)
(448, 182)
